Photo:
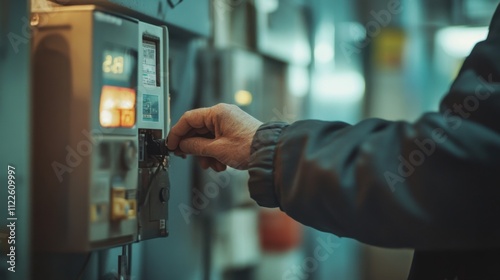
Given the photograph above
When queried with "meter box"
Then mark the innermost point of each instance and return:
(192, 16)
(100, 110)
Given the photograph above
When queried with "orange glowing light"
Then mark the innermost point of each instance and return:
(117, 107)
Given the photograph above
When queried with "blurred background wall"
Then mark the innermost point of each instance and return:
(279, 60)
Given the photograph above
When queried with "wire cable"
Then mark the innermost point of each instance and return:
(82, 270)
(160, 167)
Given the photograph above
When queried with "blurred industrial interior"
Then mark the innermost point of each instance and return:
(279, 60)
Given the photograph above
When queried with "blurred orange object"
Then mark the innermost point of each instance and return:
(278, 232)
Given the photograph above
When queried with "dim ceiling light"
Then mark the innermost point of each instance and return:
(340, 86)
(323, 53)
(243, 98)
(458, 41)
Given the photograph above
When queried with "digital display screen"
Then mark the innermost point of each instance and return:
(117, 106)
(150, 63)
(118, 65)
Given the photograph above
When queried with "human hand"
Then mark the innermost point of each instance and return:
(220, 135)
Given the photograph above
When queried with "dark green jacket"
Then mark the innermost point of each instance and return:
(432, 185)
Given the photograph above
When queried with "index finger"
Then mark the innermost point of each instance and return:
(194, 119)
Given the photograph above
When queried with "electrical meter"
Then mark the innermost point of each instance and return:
(101, 108)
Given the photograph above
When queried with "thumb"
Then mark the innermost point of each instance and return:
(198, 146)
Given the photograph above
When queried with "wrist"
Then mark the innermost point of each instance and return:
(261, 165)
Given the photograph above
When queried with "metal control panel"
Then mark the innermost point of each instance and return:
(153, 124)
(100, 92)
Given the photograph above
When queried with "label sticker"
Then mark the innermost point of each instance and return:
(149, 63)
(150, 108)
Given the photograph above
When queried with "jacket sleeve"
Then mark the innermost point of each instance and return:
(431, 184)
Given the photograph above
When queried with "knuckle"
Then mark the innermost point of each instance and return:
(219, 106)
(223, 106)
(186, 114)
(232, 107)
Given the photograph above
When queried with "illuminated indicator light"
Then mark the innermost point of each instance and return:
(128, 118)
(117, 107)
(106, 118)
(108, 104)
(110, 118)
(243, 98)
(127, 104)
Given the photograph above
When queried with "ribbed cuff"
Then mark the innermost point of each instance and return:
(261, 166)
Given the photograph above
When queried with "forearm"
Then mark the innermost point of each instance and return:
(367, 182)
